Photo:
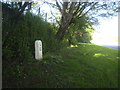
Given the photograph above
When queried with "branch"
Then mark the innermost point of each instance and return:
(65, 5)
(89, 9)
(72, 7)
(58, 6)
(55, 18)
(77, 8)
(22, 8)
(81, 9)
(20, 4)
(48, 3)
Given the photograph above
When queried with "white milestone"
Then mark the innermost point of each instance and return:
(38, 49)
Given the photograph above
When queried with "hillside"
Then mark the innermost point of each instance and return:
(83, 66)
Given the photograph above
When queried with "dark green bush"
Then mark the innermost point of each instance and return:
(20, 35)
(18, 48)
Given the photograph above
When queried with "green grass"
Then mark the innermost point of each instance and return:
(85, 66)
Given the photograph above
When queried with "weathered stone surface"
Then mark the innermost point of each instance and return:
(38, 49)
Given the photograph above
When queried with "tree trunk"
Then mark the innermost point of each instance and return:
(65, 22)
(66, 18)
(61, 33)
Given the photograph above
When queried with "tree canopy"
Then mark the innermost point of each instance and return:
(71, 10)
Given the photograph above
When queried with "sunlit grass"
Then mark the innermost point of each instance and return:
(73, 45)
(86, 66)
(82, 66)
(98, 55)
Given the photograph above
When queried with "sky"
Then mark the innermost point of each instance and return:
(107, 32)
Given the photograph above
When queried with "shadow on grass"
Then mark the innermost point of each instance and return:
(85, 66)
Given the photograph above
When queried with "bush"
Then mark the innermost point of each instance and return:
(18, 38)
(20, 35)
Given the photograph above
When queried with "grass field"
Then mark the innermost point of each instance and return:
(83, 66)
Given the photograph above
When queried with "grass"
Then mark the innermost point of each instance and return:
(85, 66)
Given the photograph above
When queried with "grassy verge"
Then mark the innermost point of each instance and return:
(85, 66)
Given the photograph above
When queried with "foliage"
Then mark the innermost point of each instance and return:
(18, 38)
(20, 69)
(86, 36)
(19, 7)
(19, 35)
(80, 31)
(70, 11)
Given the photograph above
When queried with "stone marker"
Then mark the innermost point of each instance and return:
(38, 49)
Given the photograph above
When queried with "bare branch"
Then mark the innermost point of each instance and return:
(55, 18)
(77, 8)
(58, 6)
(89, 9)
(72, 7)
(20, 4)
(65, 5)
(22, 8)
(82, 8)
(48, 3)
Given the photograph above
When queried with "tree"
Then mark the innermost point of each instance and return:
(16, 8)
(18, 38)
(72, 10)
(80, 31)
